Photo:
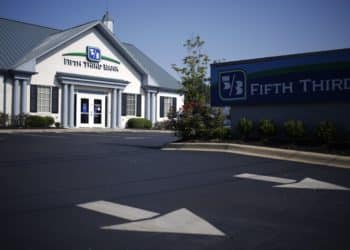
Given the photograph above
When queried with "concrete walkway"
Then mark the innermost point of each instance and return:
(266, 152)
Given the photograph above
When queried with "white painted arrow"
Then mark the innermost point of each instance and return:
(309, 183)
(306, 183)
(118, 210)
(265, 178)
(181, 221)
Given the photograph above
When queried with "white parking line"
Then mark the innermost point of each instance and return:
(118, 210)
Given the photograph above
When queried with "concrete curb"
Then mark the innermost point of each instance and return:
(82, 130)
(266, 152)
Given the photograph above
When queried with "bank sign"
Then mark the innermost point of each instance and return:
(303, 78)
(93, 60)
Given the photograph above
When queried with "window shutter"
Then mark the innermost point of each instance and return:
(124, 104)
(138, 105)
(33, 98)
(174, 104)
(54, 100)
(161, 106)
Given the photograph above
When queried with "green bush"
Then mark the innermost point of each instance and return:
(326, 132)
(221, 133)
(35, 121)
(140, 123)
(267, 128)
(244, 127)
(294, 129)
(57, 124)
(198, 121)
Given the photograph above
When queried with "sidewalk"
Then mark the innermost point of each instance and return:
(82, 130)
(266, 152)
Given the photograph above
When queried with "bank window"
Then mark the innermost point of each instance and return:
(131, 105)
(44, 99)
(168, 103)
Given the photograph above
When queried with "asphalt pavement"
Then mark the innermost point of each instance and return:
(121, 191)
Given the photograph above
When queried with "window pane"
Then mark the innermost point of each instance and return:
(131, 105)
(44, 99)
(168, 103)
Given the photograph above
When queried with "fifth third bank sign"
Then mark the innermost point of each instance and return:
(303, 78)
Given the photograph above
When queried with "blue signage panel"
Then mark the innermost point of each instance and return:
(93, 54)
(303, 78)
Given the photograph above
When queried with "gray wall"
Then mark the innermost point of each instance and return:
(310, 114)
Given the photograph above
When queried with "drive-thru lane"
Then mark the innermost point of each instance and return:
(120, 191)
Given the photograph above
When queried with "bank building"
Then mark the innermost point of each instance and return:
(83, 76)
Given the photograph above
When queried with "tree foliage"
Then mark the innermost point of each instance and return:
(194, 72)
(197, 119)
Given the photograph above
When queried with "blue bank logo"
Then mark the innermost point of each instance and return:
(233, 85)
(93, 54)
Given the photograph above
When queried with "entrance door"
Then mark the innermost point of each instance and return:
(90, 111)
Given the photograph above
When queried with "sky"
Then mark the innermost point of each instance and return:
(232, 29)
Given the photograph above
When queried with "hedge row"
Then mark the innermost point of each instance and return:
(26, 121)
(325, 132)
(139, 123)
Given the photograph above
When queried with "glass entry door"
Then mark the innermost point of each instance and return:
(90, 110)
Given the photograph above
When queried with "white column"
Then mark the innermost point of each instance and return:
(71, 106)
(65, 106)
(114, 109)
(15, 97)
(148, 106)
(153, 115)
(24, 97)
(119, 108)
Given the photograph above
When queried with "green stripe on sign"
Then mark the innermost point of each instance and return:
(302, 68)
(110, 59)
(82, 54)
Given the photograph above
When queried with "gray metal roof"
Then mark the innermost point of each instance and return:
(17, 38)
(161, 76)
(22, 42)
(54, 41)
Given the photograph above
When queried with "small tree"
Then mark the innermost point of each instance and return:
(267, 129)
(326, 132)
(194, 72)
(244, 127)
(197, 119)
(294, 129)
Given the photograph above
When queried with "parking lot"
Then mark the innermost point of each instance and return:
(121, 191)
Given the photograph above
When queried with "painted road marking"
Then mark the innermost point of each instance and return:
(265, 178)
(181, 221)
(309, 183)
(118, 210)
(306, 183)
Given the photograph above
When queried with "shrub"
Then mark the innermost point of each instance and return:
(267, 128)
(4, 118)
(165, 125)
(57, 124)
(221, 133)
(35, 121)
(326, 132)
(244, 127)
(198, 121)
(49, 121)
(140, 123)
(294, 129)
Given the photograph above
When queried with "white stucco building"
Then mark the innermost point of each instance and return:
(82, 76)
